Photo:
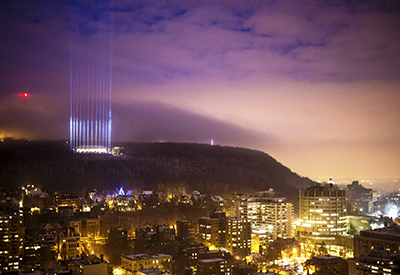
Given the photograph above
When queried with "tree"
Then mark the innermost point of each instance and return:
(321, 249)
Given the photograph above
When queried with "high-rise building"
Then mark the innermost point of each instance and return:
(186, 230)
(208, 231)
(238, 236)
(230, 233)
(31, 253)
(324, 208)
(266, 211)
(359, 199)
(323, 218)
(11, 236)
(211, 230)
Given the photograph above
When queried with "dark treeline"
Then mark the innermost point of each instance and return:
(202, 167)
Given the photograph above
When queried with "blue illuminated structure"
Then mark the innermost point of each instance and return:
(91, 46)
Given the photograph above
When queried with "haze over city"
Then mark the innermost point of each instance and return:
(316, 86)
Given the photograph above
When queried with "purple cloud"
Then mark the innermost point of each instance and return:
(263, 74)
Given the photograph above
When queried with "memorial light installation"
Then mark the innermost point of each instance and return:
(91, 46)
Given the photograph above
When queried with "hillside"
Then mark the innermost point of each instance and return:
(209, 169)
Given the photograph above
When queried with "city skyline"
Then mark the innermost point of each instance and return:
(314, 86)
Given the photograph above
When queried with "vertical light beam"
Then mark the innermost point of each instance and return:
(90, 47)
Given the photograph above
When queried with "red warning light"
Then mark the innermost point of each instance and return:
(24, 95)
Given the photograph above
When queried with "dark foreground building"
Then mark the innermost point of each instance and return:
(387, 238)
(377, 261)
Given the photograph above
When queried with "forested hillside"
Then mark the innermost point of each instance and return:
(202, 167)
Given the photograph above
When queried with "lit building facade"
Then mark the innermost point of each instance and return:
(191, 252)
(238, 236)
(124, 203)
(30, 258)
(260, 240)
(211, 230)
(326, 265)
(135, 262)
(214, 262)
(218, 266)
(323, 217)
(268, 212)
(11, 236)
(69, 244)
(67, 199)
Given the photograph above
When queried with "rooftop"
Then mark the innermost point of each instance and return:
(145, 256)
(211, 260)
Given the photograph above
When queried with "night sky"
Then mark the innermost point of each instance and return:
(315, 84)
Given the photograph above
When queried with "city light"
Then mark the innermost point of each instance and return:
(92, 150)
(118, 271)
(392, 211)
(90, 88)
